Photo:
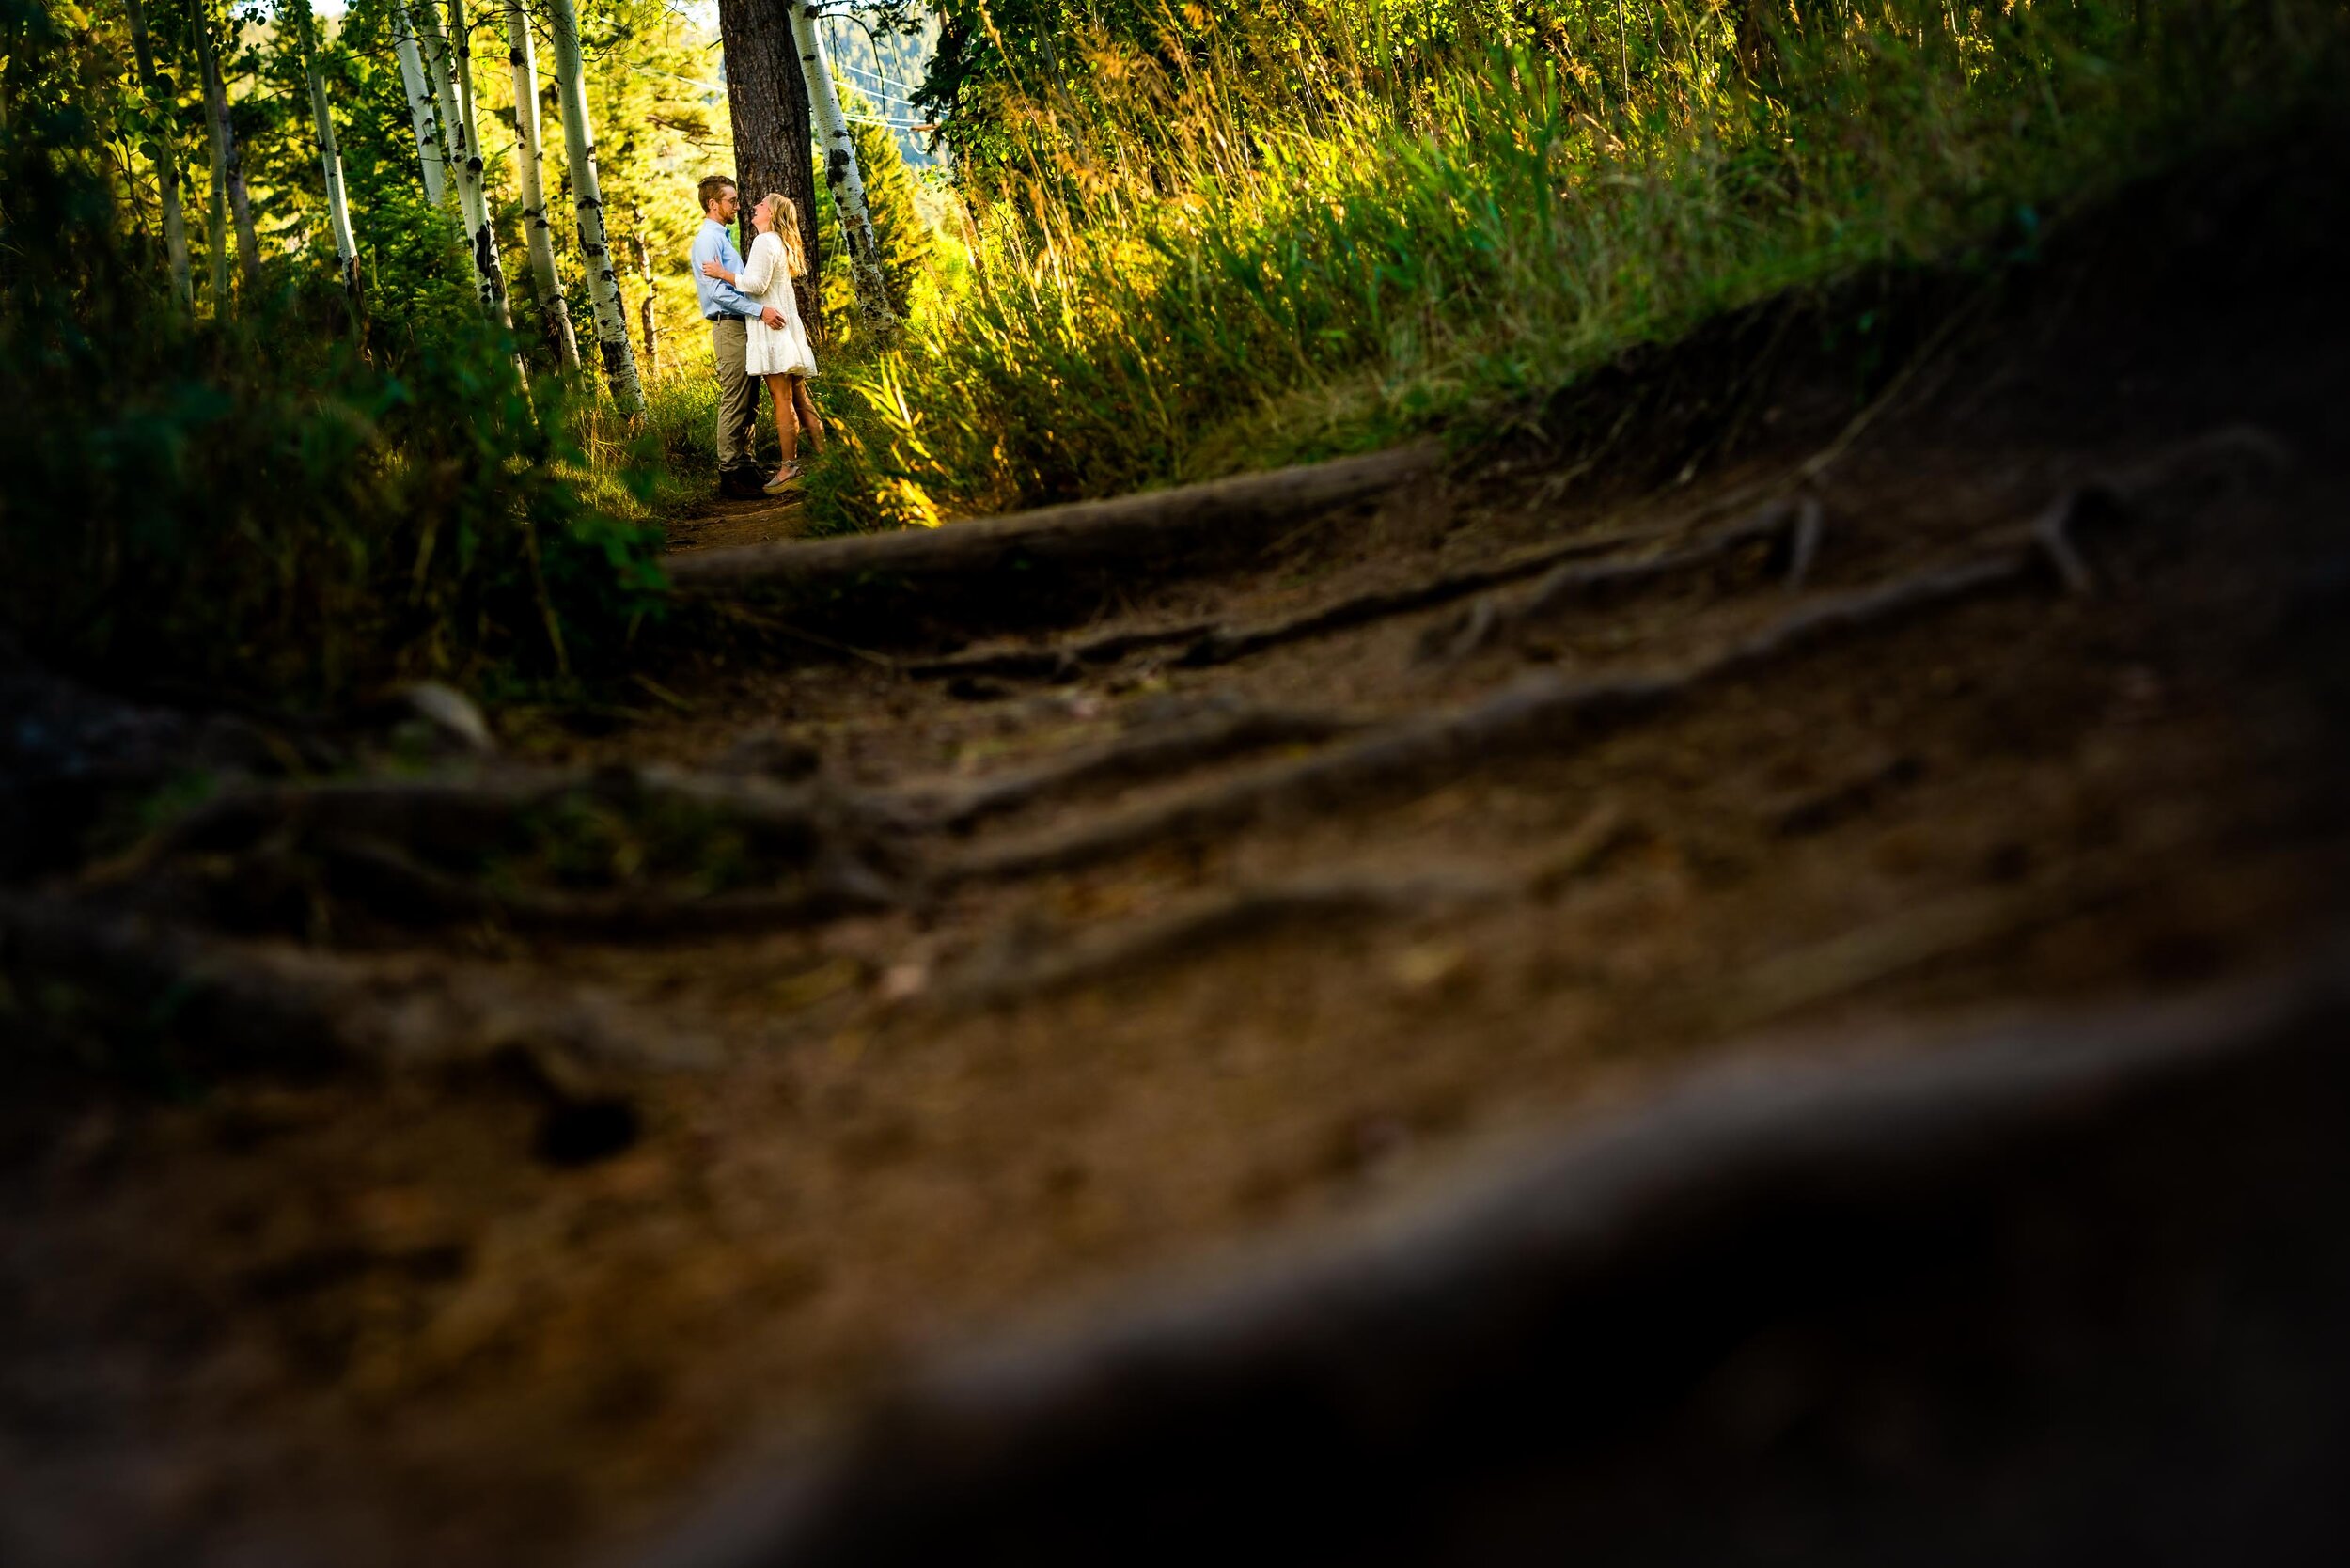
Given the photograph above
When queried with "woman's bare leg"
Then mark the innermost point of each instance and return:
(804, 407)
(787, 417)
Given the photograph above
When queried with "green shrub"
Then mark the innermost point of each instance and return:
(266, 504)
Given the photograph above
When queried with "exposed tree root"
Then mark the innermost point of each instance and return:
(1079, 534)
(1145, 754)
(390, 883)
(1803, 542)
(433, 849)
(1225, 645)
(1207, 643)
(1793, 525)
(2229, 456)
(1018, 970)
(1063, 661)
(1024, 964)
(487, 846)
(1535, 711)
(304, 1012)
(470, 813)
(1547, 710)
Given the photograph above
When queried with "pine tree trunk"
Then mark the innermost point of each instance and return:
(841, 174)
(166, 163)
(554, 313)
(767, 102)
(421, 111)
(489, 271)
(216, 119)
(579, 145)
(331, 162)
(226, 149)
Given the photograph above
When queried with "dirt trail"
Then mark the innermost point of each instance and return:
(918, 956)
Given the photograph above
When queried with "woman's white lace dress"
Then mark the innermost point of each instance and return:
(774, 350)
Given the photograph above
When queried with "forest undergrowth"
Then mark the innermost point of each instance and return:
(1326, 225)
(1194, 247)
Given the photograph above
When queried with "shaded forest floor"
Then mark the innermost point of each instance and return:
(1114, 955)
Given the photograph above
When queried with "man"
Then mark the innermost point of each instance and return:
(727, 311)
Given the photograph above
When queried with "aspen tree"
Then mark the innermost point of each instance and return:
(489, 271)
(330, 159)
(841, 174)
(166, 158)
(216, 214)
(645, 306)
(441, 77)
(422, 112)
(440, 69)
(554, 313)
(579, 147)
(225, 150)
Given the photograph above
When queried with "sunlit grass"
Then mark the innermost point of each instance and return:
(1316, 235)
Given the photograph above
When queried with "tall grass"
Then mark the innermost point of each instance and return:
(1340, 220)
(267, 502)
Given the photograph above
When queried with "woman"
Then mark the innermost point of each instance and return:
(780, 356)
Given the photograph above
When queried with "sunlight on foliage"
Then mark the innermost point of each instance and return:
(1212, 244)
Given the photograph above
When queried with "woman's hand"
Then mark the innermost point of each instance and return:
(717, 270)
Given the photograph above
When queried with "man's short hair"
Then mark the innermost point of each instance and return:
(713, 187)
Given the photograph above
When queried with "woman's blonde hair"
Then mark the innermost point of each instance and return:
(788, 230)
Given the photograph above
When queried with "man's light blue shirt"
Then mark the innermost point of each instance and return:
(718, 297)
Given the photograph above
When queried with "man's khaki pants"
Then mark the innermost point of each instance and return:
(738, 394)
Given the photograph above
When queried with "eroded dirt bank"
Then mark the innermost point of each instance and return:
(1211, 903)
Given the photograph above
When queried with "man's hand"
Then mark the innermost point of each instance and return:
(773, 317)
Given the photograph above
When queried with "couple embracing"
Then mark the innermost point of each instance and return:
(755, 331)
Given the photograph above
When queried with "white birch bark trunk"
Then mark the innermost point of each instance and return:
(489, 271)
(841, 173)
(330, 160)
(554, 313)
(166, 164)
(440, 70)
(421, 103)
(579, 147)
